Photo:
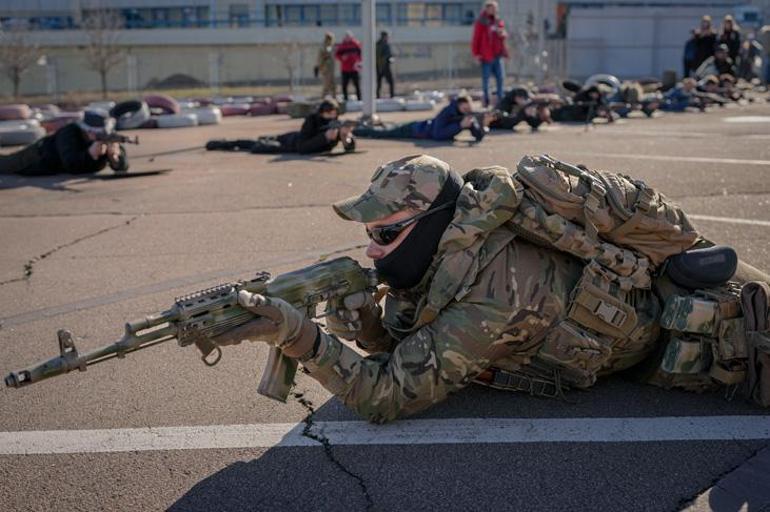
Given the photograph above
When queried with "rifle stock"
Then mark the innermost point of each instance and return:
(197, 318)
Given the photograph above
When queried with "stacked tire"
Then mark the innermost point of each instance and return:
(130, 115)
(176, 120)
(205, 115)
(20, 132)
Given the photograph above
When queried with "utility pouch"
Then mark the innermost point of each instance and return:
(599, 303)
(577, 354)
(759, 367)
(755, 298)
(703, 312)
(689, 314)
(731, 341)
(686, 355)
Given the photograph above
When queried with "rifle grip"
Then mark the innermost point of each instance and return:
(278, 377)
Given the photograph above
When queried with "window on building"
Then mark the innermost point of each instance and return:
(203, 16)
(433, 15)
(453, 14)
(292, 15)
(239, 15)
(350, 14)
(383, 14)
(311, 15)
(470, 11)
(411, 14)
(328, 14)
(160, 17)
(273, 15)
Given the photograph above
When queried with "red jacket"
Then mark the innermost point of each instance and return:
(349, 54)
(488, 38)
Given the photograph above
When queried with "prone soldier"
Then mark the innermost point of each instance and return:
(321, 131)
(450, 121)
(486, 286)
(82, 147)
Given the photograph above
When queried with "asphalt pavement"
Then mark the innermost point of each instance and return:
(88, 254)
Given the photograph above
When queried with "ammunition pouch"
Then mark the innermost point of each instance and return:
(707, 343)
(755, 299)
(610, 325)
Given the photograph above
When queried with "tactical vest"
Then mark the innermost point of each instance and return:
(624, 231)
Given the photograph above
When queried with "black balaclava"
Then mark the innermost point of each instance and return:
(405, 267)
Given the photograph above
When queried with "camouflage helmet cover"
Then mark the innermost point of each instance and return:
(409, 182)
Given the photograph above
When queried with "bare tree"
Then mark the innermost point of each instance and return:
(103, 52)
(17, 53)
(292, 58)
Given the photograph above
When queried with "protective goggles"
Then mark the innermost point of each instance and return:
(387, 234)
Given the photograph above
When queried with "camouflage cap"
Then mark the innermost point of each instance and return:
(409, 182)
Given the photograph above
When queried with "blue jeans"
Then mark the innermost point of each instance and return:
(495, 66)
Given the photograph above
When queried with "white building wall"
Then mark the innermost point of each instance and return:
(631, 42)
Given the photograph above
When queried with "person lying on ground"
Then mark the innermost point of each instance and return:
(453, 119)
(320, 133)
(470, 299)
(631, 97)
(520, 105)
(709, 91)
(73, 149)
(587, 104)
(679, 98)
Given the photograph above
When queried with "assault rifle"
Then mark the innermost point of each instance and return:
(336, 124)
(196, 318)
(110, 138)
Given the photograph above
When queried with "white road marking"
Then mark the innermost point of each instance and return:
(747, 119)
(731, 220)
(670, 158)
(405, 432)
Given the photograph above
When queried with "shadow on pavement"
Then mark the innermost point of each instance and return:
(61, 182)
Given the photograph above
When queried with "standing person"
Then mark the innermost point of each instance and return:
(384, 60)
(325, 66)
(705, 43)
(349, 54)
(690, 53)
(730, 36)
(489, 48)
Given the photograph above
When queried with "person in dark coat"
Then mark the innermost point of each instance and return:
(515, 107)
(690, 54)
(454, 118)
(731, 37)
(317, 135)
(73, 149)
(384, 60)
(705, 42)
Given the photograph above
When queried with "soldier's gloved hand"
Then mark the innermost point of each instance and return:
(278, 323)
(357, 317)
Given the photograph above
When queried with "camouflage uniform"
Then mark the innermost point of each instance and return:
(488, 300)
(325, 64)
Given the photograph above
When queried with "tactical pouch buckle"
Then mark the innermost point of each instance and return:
(610, 314)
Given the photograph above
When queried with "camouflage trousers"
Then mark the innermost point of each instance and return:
(329, 87)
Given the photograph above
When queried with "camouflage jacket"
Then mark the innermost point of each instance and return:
(325, 61)
(488, 298)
